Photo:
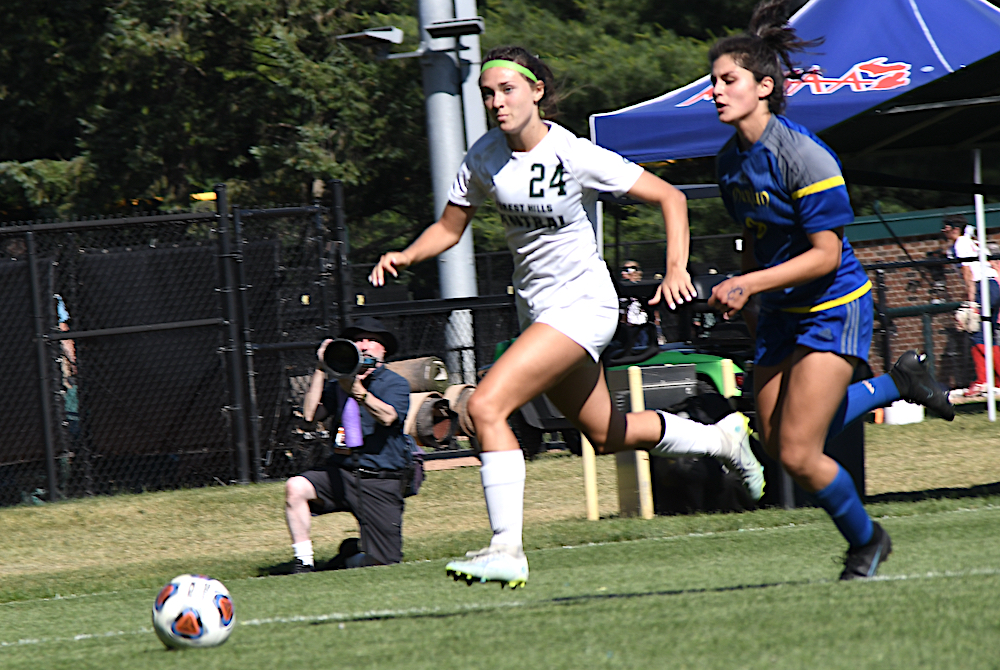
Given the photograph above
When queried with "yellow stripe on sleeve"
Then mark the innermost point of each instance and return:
(836, 302)
(824, 185)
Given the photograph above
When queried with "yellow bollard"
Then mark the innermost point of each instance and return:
(589, 478)
(728, 378)
(635, 488)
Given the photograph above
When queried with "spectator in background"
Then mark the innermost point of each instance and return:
(993, 249)
(71, 405)
(631, 271)
(961, 245)
(632, 311)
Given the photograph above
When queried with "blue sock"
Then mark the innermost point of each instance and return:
(841, 501)
(862, 398)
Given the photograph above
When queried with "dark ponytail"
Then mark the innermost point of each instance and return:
(765, 49)
(548, 104)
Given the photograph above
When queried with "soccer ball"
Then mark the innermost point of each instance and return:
(193, 611)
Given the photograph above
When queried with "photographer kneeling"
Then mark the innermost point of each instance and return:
(366, 473)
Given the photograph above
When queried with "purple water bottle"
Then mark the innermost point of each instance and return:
(350, 419)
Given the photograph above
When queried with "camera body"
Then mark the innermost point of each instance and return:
(342, 359)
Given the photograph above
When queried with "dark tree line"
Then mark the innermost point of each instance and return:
(112, 107)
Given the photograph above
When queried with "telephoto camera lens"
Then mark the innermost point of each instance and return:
(342, 358)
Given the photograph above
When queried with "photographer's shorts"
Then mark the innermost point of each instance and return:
(380, 515)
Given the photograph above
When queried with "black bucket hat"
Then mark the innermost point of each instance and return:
(372, 326)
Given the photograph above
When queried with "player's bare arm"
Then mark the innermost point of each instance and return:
(819, 261)
(748, 263)
(440, 236)
(310, 404)
(381, 411)
(676, 286)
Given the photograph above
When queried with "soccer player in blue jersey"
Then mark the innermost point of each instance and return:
(814, 319)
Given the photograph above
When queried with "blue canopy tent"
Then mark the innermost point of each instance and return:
(872, 53)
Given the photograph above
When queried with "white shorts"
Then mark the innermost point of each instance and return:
(589, 322)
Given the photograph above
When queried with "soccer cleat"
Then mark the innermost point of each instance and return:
(862, 562)
(298, 567)
(496, 563)
(740, 457)
(916, 384)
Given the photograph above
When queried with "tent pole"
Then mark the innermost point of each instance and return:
(984, 287)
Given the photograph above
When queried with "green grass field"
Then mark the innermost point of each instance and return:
(750, 590)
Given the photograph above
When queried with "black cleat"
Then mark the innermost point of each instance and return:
(298, 567)
(863, 562)
(916, 384)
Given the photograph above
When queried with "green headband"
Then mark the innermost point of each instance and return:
(516, 67)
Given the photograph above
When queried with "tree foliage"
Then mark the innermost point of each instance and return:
(108, 107)
(178, 96)
(112, 106)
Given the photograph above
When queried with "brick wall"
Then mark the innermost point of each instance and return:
(920, 286)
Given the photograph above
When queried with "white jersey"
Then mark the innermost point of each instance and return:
(543, 196)
(966, 247)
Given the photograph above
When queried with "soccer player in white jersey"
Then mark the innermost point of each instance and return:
(543, 180)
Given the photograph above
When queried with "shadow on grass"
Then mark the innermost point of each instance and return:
(420, 613)
(937, 494)
(348, 548)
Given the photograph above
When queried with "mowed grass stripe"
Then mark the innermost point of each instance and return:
(472, 608)
(152, 573)
(697, 597)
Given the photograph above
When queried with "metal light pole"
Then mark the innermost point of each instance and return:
(449, 30)
(448, 136)
(470, 60)
(984, 286)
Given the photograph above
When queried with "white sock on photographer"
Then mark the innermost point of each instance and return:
(684, 437)
(304, 551)
(502, 474)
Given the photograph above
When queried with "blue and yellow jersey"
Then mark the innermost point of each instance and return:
(783, 188)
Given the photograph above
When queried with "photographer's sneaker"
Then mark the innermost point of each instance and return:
(862, 562)
(496, 563)
(738, 456)
(299, 568)
(916, 384)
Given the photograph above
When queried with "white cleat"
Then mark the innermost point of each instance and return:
(740, 458)
(497, 563)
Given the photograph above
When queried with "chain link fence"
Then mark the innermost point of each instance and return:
(114, 376)
(164, 351)
(709, 254)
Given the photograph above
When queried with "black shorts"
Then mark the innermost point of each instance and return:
(380, 515)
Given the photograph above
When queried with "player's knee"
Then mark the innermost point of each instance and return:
(483, 410)
(796, 462)
(609, 436)
(298, 488)
(599, 439)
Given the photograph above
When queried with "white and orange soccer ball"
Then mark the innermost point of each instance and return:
(193, 611)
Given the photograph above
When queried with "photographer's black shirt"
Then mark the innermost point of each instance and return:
(384, 447)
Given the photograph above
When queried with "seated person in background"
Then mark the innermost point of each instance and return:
(958, 236)
(631, 310)
(375, 469)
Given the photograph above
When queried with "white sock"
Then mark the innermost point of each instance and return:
(304, 551)
(684, 437)
(502, 474)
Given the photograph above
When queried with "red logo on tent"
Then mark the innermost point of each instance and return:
(871, 75)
